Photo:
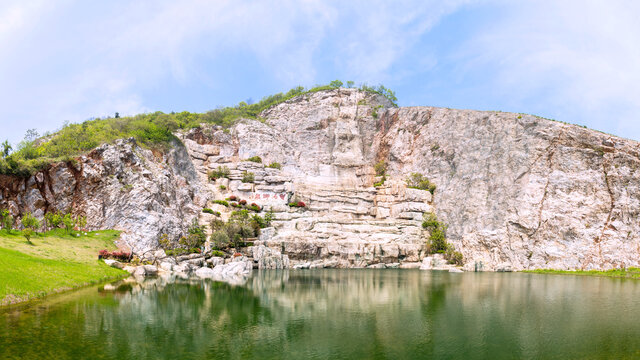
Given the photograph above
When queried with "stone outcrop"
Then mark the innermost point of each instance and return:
(516, 191)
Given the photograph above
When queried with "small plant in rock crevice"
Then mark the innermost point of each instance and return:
(220, 172)
(221, 202)
(275, 165)
(248, 177)
(419, 181)
(255, 159)
(210, 211)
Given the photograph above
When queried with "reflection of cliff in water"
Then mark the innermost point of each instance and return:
(335, 314)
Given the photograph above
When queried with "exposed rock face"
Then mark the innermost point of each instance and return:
(119, 186)
(516, 191)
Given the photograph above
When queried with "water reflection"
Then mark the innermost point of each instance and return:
(344, 314)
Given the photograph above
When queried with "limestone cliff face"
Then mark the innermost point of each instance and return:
(522, 190)
(516, 190)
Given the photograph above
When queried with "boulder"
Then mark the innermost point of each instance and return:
(114, 263)
(166, 266)
(205, 272)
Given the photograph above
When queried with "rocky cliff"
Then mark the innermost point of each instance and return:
(517, 191)
(116, 186)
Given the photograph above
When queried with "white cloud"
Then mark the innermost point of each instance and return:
(574, 60)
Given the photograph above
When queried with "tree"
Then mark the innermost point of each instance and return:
(350, 84)
(31, 135)
(117, 115)
(335, 84)
(6, 148)
(30, 224)
(196, 237)
(69, 222)
(7, 220)
(53, 220)
(81, 221)
(219, 239)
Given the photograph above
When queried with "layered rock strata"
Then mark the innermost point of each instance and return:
(516, 191)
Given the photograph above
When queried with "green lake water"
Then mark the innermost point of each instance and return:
(335, 314)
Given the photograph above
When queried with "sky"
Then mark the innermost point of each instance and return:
(68, 61)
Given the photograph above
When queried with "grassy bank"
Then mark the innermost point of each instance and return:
(628, 273)
(55, 262)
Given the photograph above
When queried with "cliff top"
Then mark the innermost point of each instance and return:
(156, 130)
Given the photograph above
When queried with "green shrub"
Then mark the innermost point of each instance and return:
(221, 202)
(275, 165)
(223, 188)
(208, 211)
(374, 111)
(380, 168)
(438, 241)
(217, 253)
(454, 257)
(259, 221)
(196, 237)
(255, 159)
(165, 243)
(268, 218)
(419, 181)
(69, 222)
(220, 172)
(430, 221)
(248, 177)
(220, 239)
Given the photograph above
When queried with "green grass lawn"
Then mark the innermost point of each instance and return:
(628, 273)
(55, 262)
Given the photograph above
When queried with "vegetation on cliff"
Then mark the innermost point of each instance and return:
(52, 262)
(153, 130)
(438, 239)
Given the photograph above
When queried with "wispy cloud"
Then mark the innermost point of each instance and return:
(71, 60)
(88, 60)
(574, 60)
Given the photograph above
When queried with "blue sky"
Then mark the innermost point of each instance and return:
(64, 60)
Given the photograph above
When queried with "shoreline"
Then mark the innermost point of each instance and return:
(25, 301)
(628, 273)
